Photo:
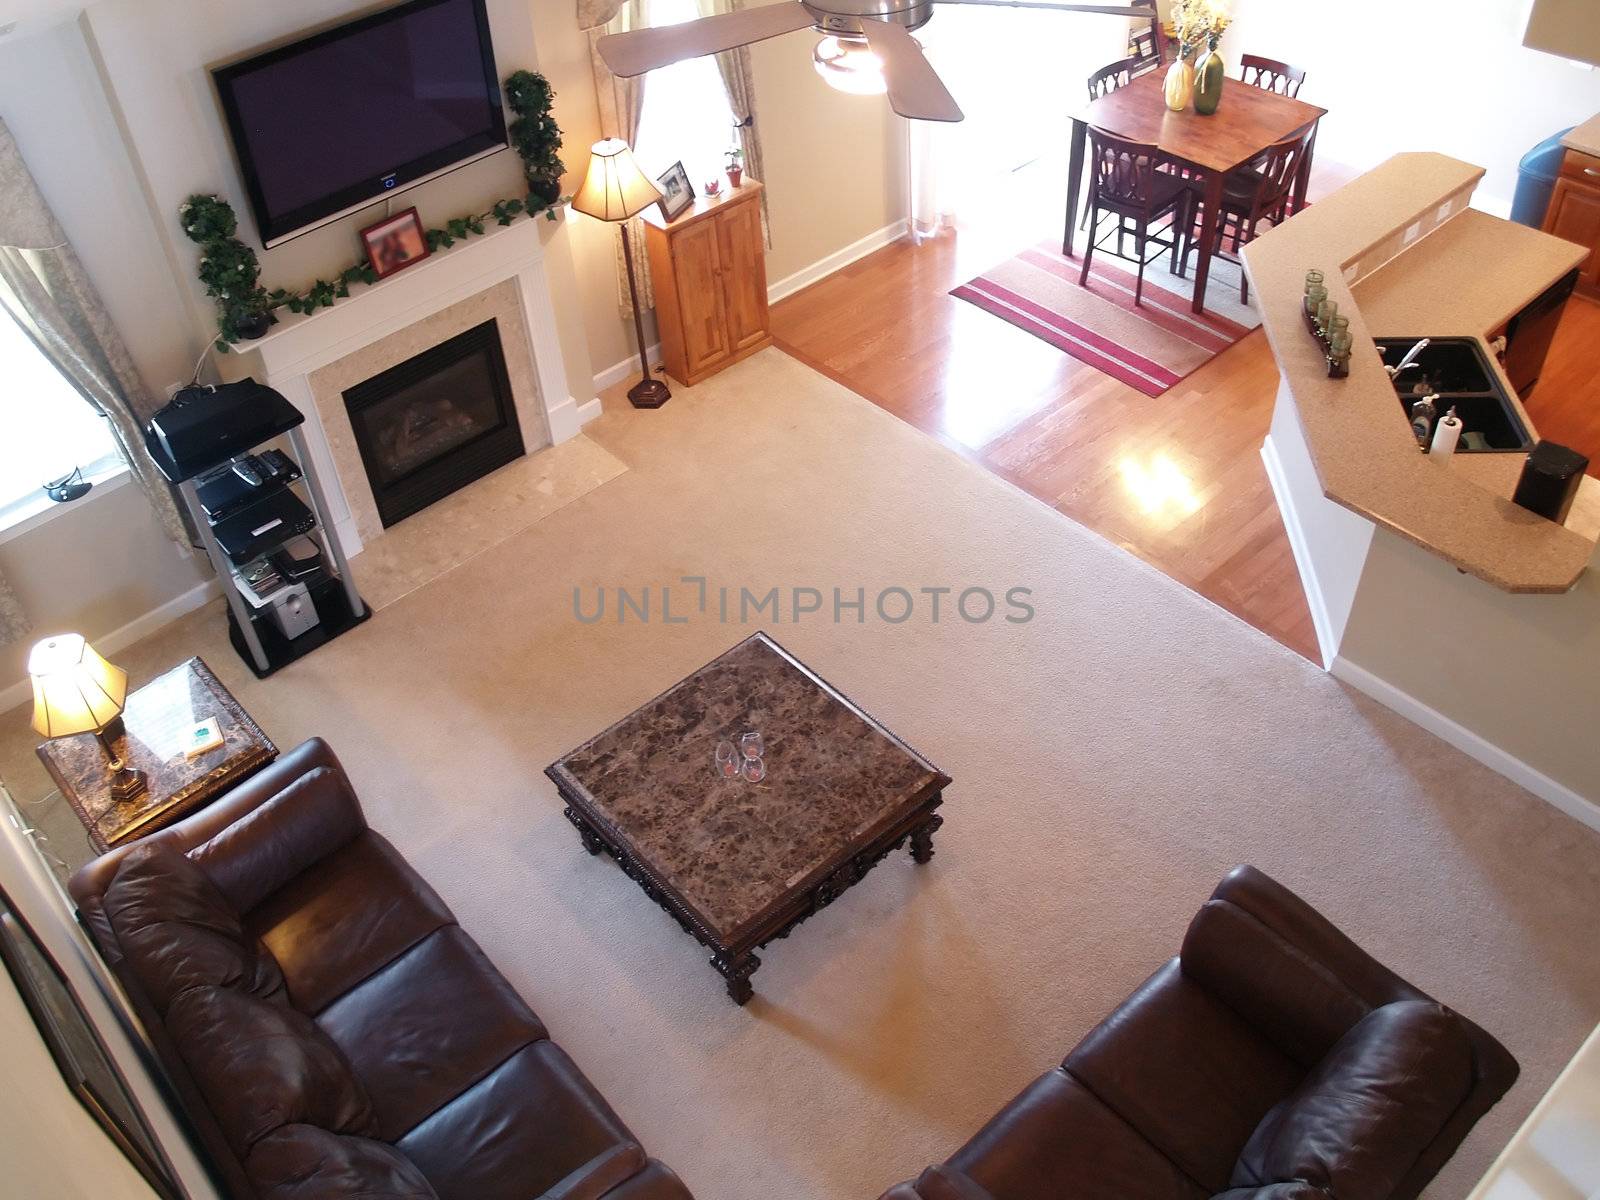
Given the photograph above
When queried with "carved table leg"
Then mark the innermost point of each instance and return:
(737, 971)
(922, 838)
(591, 840)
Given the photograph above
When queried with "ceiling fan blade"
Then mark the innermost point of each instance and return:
(915, 90)
(641, 50)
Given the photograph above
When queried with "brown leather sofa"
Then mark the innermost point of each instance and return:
(329, 1029)
(1271, 1060)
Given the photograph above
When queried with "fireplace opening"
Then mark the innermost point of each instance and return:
(436, 422)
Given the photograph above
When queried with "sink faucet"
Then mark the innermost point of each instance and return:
(1409, 360)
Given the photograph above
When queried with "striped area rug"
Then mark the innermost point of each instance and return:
(1150, 347)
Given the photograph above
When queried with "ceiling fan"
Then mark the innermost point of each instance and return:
(866, 46)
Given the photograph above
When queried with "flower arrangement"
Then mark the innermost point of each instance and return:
(231, 272)
(1199, 21)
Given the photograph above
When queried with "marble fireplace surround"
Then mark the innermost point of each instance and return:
(313, 358)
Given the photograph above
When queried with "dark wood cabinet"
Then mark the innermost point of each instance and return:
(1574, 214)
(709, 270)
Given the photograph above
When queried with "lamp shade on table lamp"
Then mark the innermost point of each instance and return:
(77, 691)
(614, 190)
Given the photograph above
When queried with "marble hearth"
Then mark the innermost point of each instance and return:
(313, 359)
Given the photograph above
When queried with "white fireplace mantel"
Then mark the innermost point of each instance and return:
(302, 343)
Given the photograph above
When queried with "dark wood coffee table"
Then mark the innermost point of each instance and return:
(739, 864)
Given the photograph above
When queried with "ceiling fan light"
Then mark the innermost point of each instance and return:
(849, 66)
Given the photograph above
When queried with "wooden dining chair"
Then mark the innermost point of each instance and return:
(1111, 77)
(1260, 192)
(1125, 184)
(1271, 75)
(1146, 54)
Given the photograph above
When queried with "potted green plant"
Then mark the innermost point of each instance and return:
(735, 159)
(229, 269)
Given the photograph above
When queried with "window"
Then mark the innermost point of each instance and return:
(48, 428)
(686, 115)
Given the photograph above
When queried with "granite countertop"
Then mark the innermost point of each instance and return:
(1404, 256)
(1585, 138)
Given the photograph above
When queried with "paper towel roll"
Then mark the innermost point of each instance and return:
(1446, 434)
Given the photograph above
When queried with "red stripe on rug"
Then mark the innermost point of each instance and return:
(1162, 307)
(1076, 329)
(1060, 341)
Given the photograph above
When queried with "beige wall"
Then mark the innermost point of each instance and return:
(835, 165)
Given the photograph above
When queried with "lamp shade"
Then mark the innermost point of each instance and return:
(74, 689)
(614, 189)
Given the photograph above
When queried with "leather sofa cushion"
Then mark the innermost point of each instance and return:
(1186, 1072)
(303, 1162)
(1289, 997)
(309, 819)
(516, 1133)
(946, 1183)
(262, 1064)
(1056, 1140)
(427, 1027)
(331, 927)
(177, 931)
(655, 1182)
(1366, 1113)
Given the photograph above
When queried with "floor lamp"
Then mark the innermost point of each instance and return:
(615, 190)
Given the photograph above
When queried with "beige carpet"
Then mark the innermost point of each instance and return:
(1112, 759)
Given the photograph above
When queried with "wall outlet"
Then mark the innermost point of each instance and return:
(1413, 232)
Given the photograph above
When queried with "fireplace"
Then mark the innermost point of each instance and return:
(434, 423)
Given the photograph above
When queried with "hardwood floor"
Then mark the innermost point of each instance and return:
(1176, 480)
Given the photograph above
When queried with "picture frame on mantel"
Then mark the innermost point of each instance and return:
(677, 193)
(395, 243)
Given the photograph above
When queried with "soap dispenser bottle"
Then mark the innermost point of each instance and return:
(1423, 414)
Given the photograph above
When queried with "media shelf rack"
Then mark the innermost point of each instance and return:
(256, 517)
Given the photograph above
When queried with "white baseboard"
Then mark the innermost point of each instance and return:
(1321, 620)
(618, 371)
(119, 639)
(1500, 761)
(838, 260)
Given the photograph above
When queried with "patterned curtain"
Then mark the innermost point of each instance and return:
(45, 288)
(14, 623)
(621, 106)
(738, 80)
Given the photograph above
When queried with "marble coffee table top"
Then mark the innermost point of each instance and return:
(734, 851)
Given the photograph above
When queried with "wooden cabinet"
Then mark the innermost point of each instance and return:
(709, 270)
(1574, 213)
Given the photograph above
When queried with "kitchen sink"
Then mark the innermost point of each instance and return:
(1458, 370)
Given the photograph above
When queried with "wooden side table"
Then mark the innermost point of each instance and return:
(709, 269)
(155, 725)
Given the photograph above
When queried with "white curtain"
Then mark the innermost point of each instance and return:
(1018, 74)
(739, 81)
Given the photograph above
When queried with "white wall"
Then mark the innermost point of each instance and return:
(102, 561)
(49, 1146)
(1446, 75)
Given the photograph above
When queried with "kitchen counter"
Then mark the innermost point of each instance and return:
(1405, 256)
(1585, 138)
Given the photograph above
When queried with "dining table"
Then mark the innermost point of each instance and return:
(1248, 121)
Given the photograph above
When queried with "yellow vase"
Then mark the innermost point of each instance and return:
(1179, 87)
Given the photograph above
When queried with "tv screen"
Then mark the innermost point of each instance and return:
(327, 124)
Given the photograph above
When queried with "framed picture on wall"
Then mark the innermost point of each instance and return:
(395, 243)
(86, 1066)
(677, 193)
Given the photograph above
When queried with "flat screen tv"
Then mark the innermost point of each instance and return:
(327, 124)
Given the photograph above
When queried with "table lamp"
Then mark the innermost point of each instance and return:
(615, 190)
(77, 691)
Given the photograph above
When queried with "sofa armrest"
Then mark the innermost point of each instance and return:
(940, 1183)
(340, 812)
(600, 1174)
